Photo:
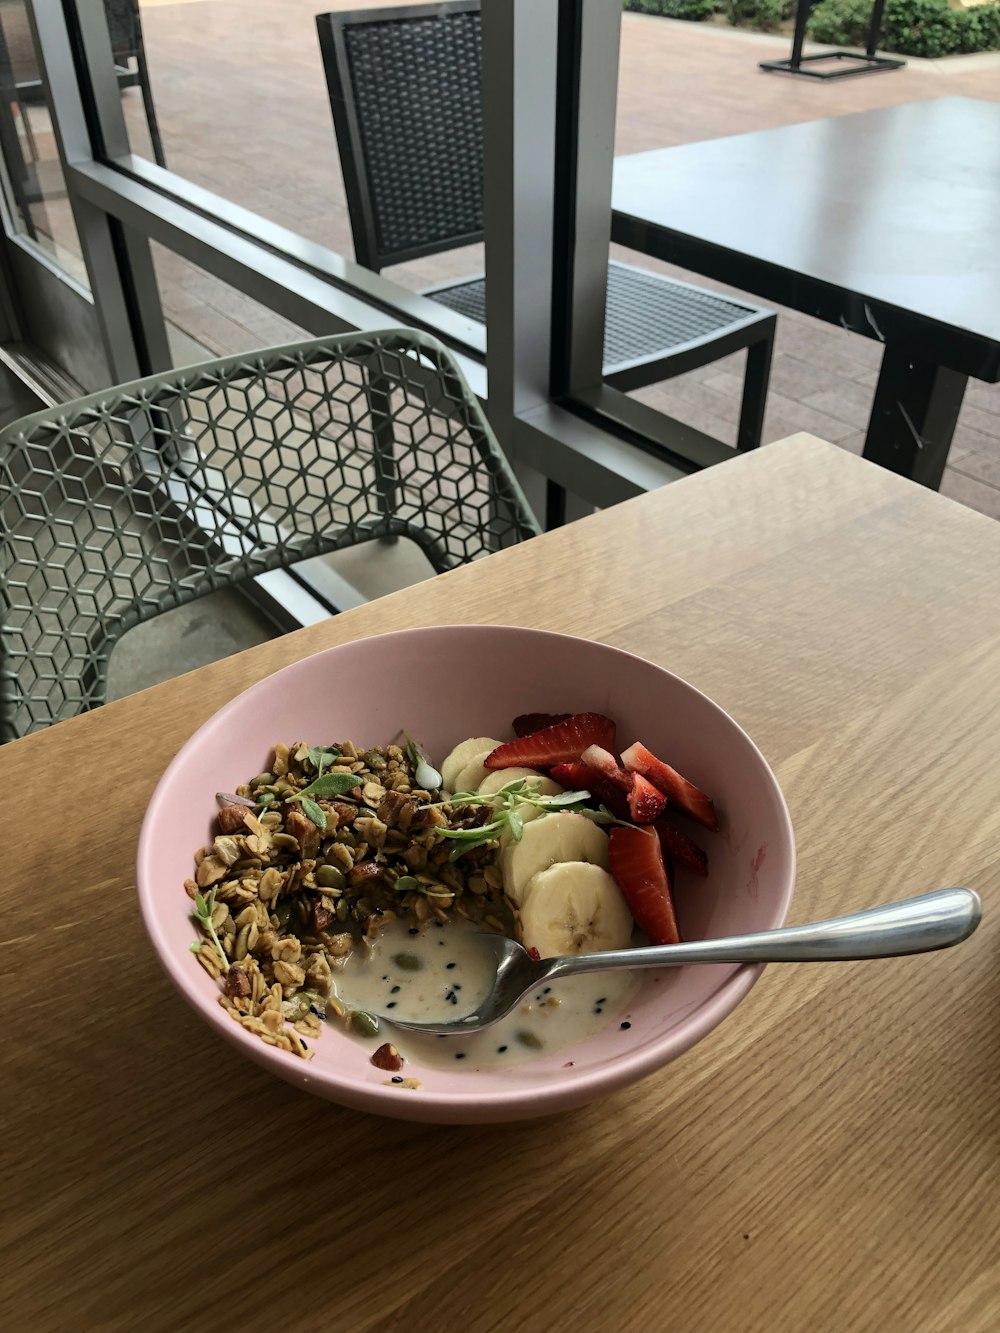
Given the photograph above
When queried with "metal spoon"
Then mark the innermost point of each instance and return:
(914, 925)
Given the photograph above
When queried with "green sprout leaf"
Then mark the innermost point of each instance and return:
(330, 784)
(516, 825)
(203, 909)
(321, 756)
(314, 812)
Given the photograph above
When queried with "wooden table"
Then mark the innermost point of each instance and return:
(883, 223)
(826, 1159)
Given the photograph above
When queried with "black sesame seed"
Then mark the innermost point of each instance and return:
(602, 1000)
(397, 1078)
(413, 931)
(391, 1004)
(385, 978)
(625, 1026)
(501, 1049)
(394, 991)
(459, 1055)
(439, 924)
(449, 965)
(547, 990)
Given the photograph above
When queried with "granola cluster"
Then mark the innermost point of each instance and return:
(292, 883)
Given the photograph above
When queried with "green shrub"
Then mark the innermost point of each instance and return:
(762, 15)
(927, 28)
(694, 10)
(841, 22)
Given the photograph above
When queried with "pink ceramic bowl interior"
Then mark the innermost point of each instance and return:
(444, 684)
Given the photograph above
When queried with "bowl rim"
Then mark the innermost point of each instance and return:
(564, 1089)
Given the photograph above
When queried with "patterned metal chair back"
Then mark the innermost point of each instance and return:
(138, 499)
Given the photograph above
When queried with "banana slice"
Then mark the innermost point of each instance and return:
(545, 842)
(463, 755)
(474, 772)
(574, 908)
(498, 778)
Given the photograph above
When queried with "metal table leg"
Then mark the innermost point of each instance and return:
(846, 62)
(914, 416)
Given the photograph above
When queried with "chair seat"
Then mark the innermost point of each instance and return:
(646, 315)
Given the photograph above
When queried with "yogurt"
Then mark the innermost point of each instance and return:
(440, 972)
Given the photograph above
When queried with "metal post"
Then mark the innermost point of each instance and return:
(119, 263)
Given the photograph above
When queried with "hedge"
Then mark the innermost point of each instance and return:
(927, 28)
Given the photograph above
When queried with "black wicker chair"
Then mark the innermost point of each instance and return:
(404, 86)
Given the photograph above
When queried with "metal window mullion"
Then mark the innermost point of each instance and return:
(119, 264)
(587, 118)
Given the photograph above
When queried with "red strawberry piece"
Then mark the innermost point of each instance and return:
(678, 791)
(558, 744)
(644, 800)
(528, 723)
(644, 878)
(679, 847)
(607, 765)
(581, 777)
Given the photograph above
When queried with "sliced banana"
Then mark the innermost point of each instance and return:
(463, 755)
(498, 778)
(574, 908)
(474, 772)
(545, 842)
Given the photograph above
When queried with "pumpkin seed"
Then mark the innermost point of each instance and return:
(330, 877)
(364, 1024)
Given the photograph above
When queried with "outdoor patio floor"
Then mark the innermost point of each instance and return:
(243, 110)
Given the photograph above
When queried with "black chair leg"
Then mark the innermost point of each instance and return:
(755, 382)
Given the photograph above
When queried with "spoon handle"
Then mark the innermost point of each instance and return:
(914, 925)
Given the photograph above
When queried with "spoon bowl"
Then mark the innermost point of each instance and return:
(931, 921)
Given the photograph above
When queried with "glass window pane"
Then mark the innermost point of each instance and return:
(206, 317)
(242, 107)
(34, 184)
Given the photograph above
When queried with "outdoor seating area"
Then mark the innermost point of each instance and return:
(678, 83)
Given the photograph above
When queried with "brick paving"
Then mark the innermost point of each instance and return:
(243, 111)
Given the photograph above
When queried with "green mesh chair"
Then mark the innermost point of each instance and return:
(135, 500)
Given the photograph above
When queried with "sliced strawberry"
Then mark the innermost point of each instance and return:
(678, 791)
(528, 723)
(644, 800)
(576, 776)
(607, 765)
(581, 777)
(558, 744)
(643, 876)
(680, 848)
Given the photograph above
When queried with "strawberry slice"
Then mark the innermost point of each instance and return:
(558, 744)
(643, 876)
(607, 765)
(527, 723)
(579, 776)
(678, 791)
(679, 847)
(644, 800)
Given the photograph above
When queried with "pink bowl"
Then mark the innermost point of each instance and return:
(444, 684)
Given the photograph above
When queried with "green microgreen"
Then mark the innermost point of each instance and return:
(507, 817)
(327, 784)
(424, 771)
(321, 756)
(203, 909)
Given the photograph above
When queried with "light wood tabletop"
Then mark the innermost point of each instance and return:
(827, 1159)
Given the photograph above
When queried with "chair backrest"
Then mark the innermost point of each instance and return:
(138, 499)
(404, 87)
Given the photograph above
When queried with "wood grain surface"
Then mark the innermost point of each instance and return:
(826, 1160)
